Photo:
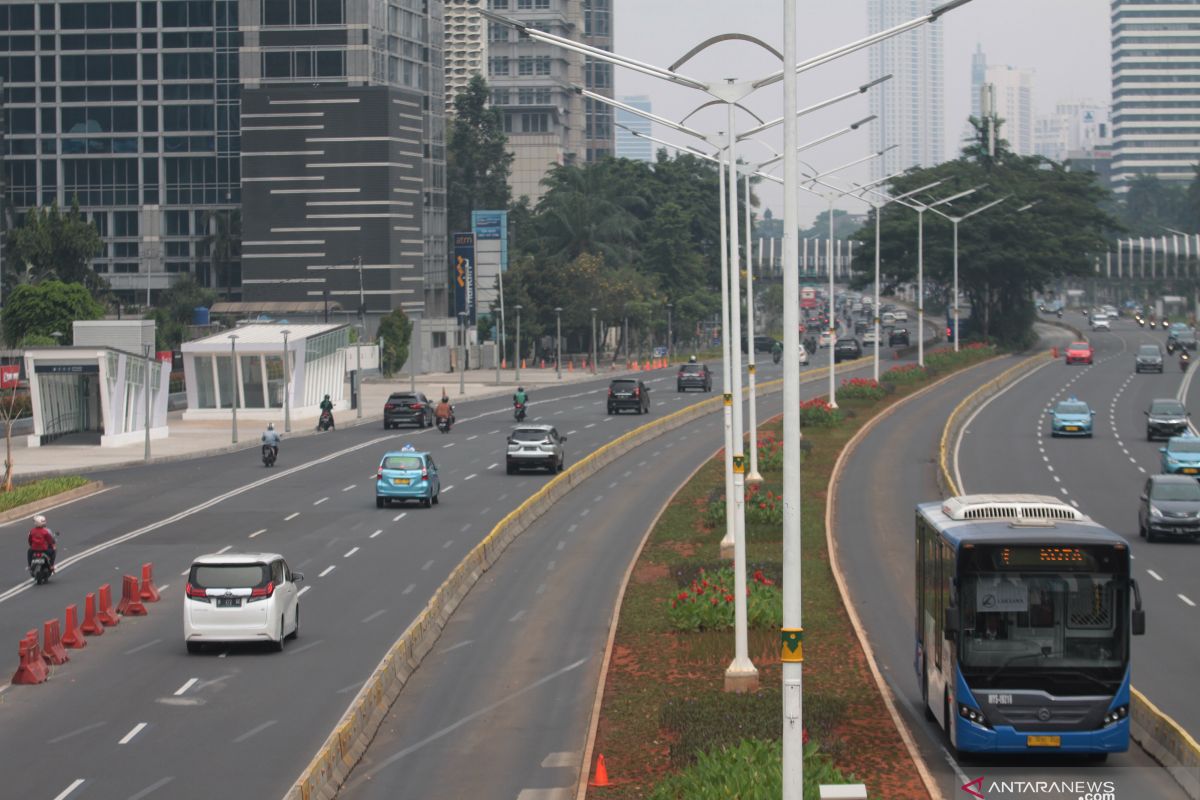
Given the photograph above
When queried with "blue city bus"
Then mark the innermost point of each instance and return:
(1023, 621)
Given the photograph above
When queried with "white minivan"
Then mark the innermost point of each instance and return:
(1100, 322)
(240, 597)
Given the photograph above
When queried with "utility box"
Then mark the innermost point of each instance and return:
(130, 335)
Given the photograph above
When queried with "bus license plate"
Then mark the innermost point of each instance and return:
(1043, 741)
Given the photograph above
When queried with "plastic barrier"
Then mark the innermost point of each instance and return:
(130, 604)
(92, 626)
(104, 608)
(148, 591)
(72, 634)
(32, 667)
(52, 645)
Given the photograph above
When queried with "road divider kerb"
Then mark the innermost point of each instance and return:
(54, 500)
(1164, 739)
(333, 762)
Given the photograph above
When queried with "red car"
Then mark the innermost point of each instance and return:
(1079, 353)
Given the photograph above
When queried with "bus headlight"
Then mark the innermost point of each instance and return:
(1116, 715)
(973, 715)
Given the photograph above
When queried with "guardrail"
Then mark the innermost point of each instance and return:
(1158, 734)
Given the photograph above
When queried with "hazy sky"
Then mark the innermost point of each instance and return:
(1065, 41)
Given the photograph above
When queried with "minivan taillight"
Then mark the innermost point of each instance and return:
(610, 391)
(637, 391)
(196, 593)
(379, 474)
(388, 406)
(262, 592)
(424, 472)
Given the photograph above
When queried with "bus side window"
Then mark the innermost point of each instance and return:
(919, 570)
(936, 601)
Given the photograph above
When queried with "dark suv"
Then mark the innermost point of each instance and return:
(694, 376)
(1170, 506)
(1166, 418)
(846, 349)
(1180, 340)
(898, 337)
(628, 393)
(406, 408)
(1149, 358)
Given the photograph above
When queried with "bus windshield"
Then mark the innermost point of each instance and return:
(1043, 609)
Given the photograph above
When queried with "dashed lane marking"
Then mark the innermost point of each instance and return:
(127, 738)
(189, 683)
(428, 564)
(351, 486)
(350, 552)
(408, 589)
(302, 591)
(517, 616)
(318, 502)
(1186, 599)
(1154, 575)
(376, 533)
(400, 516)
(327, 570)
(291, 516)
(258, 532)
(67, 791)
(225, 549)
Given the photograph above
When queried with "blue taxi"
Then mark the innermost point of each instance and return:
(1181, 456)
(407, 474)
(1071, 417)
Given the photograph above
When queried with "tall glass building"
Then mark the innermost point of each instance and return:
(1156, 89)
(629, 144)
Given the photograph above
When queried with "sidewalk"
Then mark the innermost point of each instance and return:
(208, 437)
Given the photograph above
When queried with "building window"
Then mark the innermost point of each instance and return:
(498, 65)
(497, 32)
(535, 123)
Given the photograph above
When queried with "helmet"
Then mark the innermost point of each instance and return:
(326, 397)
(520, 388)
(692, 360)
(40, 521)
(445, 399)
(270, 426)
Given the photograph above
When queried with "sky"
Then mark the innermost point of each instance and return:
(1066, 43)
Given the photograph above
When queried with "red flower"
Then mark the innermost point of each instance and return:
(758, 574)
(715, 601)
(804, 735)
(682, 596)
(728, 598)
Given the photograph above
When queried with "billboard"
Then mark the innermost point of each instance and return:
(463, 275)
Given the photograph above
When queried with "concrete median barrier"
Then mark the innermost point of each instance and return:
(1156, 732)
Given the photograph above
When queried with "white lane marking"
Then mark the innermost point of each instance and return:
(541, 588)
(139, 648)
(449, 445)
(560, 793)
(447, 488)
(322, 500)
(453, 647)
(351, 486)
(302, 591)
(408, 589)
(641, 463)
(515, 617)
(492, 466)
(550, 566)
(1049, 467)
(72, 734)
(493, 433)
(327, 570)
(185, 572)
(1056, 479)
(399, 516)
(376, 615)
(1075, 503)
(225, 549)
(576, 408)
(127, 738)
(472, 475)
(74, 785)
(1186, 599)
(584, 513)
(560, 545)
(376, 533)
(164, 587)
(561, 760)
(259, 728)
(149, 790)
(258, 532)
(428, 564)
(571, 528)
(607, 419)
(598, 498)
(291, 516)
(1064, 491)
(589, 425)
(1046, 459)
(189, 683)
(350, 552)
(1154, 575)
(627, 473)
(472, 438)
(448, 543)
(1142, 469)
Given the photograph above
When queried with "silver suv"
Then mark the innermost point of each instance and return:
(535, 446)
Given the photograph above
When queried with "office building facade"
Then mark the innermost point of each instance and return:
(599, 132)
(629, 144)
(909, 107)
(1156, 90)
(1014, 105)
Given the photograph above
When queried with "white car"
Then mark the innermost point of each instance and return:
(1100, 322)
(870, 339)
(825, 339)
(803, 355)
(901, 315)
(240, 597)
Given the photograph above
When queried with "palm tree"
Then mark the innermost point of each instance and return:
(583, 211)
(223, 244)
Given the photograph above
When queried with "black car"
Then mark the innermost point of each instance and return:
(1180, 340)
(628, 393)
(846, 349)
(693, 376)
(898, 337)
(407, 408)
(1149, 358)
(1170, 506)
(860, 327)
(1166, 418)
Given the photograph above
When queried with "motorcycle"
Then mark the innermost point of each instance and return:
(776, 356)
(443, 424)
(269, 454)
(39, 567)
(326, 421)
(1141, 322)
(1184, 360)
(1059, 312)
(519, 412)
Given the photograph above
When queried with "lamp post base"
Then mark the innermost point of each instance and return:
(754, 479)
(741, 678)
(726, 550)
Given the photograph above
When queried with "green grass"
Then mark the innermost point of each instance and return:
(39, 490)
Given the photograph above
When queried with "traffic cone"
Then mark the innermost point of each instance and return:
(522, 363)
(542, 365)
(601, 778)
(504, 363)
(570, 366)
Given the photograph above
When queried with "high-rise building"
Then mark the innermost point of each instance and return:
(1156, 90)
(978, 79)
(133, 109)
(598, 135)
(909, 107)
(1014, 105)
(629, 145)
(465, 52)
(1073, 128)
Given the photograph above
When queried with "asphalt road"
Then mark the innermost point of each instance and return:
(896, 467)
(1007, 448)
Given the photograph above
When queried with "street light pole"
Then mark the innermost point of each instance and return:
(233, 337)
(462, 352)
(754, 478)
(593, 341)
(148, 384)
(558, 341)
(832, 312)
(955, 220)
(517, 345)
(670, 307)
(287, 383)
(358, 404)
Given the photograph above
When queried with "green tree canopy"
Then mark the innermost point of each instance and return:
(46, 308)
(395, 335)
(52, 245)
(174, 311)
(477, 157)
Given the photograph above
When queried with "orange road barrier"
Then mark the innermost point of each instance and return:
(522, 363)
(148, 591)
(131, 601)
(503, 363)
(91, 624)
(104, 610)
(601, 778)
(72, 635)
(542, 365)
(1054, 352)
(32, 667)
(52, 645)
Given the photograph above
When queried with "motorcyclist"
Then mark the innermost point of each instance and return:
(692, 359)
(444, 410)
(327, 407)
(777, 351)
(271, 437)
(41, 540)
(1184, 358)
(520, 398)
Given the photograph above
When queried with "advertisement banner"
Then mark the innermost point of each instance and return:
(463, 275)
(489, 224)
(10, 376)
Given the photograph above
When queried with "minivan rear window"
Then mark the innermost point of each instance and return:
(624, 384)
(229, 576)
(402, 462)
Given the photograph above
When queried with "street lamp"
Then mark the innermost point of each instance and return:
(593, 341)
(558, 341)
(287, 383)
(358, 401)
(517, 344)
(148, 349)
(462, 352)
(954, 221)
(670, 307)
(233, 370)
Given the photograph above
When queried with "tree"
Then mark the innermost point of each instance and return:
(584, 211)
(12, 407)
(1151, 204)
(477, 157)
(46, 308)
(223, 244)
(51, 245)
(175, 309)
(395, 333)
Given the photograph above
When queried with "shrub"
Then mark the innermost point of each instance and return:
(708, 602)
(906, 375)
(751, 769)
(761, 509)
(818, 413)
(862, 389)
(38, 490)
(770, 452)
(686, 571)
